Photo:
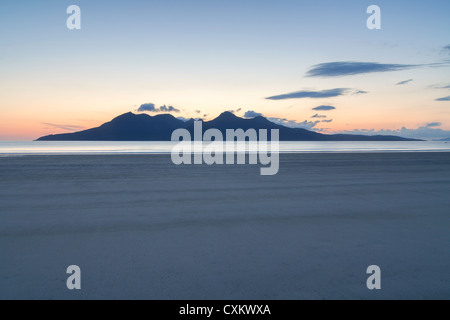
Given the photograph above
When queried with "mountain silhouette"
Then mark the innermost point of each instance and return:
(143, 127)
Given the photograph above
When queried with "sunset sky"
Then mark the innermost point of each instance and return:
(278, 58)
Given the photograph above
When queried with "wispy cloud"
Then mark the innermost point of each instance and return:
(404, 82)
(439, 86)
(444, 99)
(434, 124)
(319, 116)
(359, 92)
(346, 68)
(66, 127)
(445, 87)
(324, 108)
(313, 94)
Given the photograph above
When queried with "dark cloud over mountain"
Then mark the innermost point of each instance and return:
(252, 114)
(150, 107)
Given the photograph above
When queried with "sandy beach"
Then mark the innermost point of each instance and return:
(140, 227)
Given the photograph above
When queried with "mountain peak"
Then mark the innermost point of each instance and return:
(126, 115)
(129, 116)
(227, 115)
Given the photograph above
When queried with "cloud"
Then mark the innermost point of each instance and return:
(164, 108)
(324, 108)
(444, 99)
(147, 107)
(199, 112)
(306, 124)
(312, 94)
(150, 107)
(319, 116)
(447, 48)
(434, 124)
(360, 92)
(252, 114)
(346, 68)
(439, 86)
(309, 125)
(404, 82)
(235, 111)
(66, 127)
(424, 132)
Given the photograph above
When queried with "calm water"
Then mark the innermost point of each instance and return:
(11, 148)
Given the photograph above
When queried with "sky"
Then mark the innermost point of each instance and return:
(311, 64)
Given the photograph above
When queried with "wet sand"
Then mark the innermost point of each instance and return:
(140, 227)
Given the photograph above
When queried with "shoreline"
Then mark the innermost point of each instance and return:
(9, 155)
(8, 149)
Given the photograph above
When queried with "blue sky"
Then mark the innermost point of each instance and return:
(213, 56)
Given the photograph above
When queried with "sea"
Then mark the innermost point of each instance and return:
(23, 148)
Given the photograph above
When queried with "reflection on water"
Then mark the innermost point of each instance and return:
(152, 147)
